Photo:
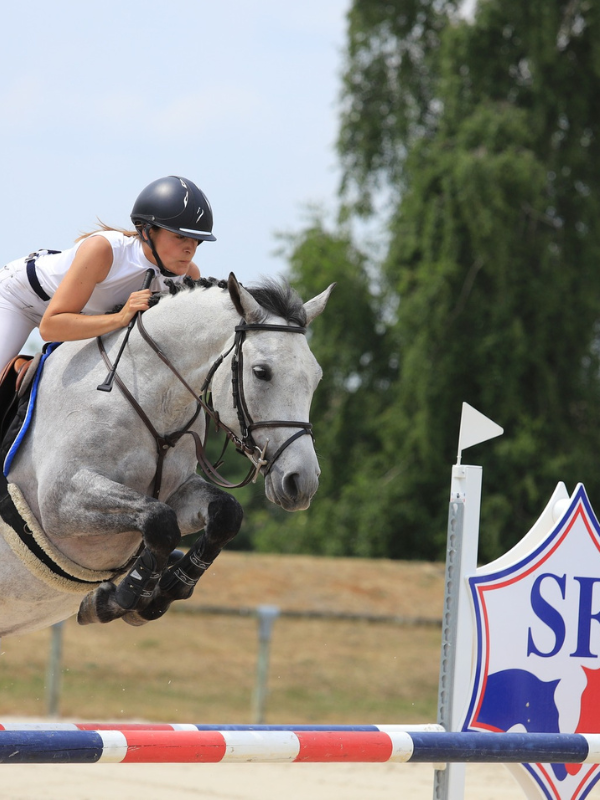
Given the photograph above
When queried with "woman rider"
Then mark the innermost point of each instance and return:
(68, 294)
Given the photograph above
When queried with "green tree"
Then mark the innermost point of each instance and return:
(347, 340)
(483, 137)
(389, 96)
(486, 133)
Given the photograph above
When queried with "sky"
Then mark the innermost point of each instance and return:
(99, 99)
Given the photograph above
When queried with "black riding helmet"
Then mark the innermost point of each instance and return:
(177, 205)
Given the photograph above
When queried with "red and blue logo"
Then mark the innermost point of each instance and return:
(537, 665)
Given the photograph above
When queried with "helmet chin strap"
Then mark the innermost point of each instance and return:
(146, 238)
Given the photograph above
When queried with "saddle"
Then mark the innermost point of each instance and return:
(15, 379)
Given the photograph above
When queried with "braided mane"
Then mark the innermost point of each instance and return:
(279, 299)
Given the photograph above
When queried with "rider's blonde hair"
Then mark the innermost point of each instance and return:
(104, 228)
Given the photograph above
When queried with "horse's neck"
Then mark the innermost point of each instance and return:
(192, 330)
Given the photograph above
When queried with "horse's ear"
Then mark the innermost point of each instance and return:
(315, 306)
(245, 304)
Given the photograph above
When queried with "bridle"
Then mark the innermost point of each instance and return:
(245, 443)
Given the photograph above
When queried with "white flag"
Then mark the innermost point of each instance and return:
(475, 428)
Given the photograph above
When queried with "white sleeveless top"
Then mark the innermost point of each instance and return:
(125, 276)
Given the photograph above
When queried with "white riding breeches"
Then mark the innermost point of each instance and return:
(20, 310)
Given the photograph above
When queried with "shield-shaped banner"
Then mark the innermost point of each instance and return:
(537, 646)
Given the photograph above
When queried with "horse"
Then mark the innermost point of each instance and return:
(103, 485)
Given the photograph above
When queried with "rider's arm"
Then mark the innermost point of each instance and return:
(63, 320)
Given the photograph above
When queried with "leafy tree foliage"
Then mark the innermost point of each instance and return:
(347, 342)
(485, 134)
(494, 246)
(390, 96)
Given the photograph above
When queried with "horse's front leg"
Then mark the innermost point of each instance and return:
(111, 507)
(198, 505)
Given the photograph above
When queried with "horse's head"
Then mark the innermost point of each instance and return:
(273, 377)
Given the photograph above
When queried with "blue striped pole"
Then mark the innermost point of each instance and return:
(189, 744)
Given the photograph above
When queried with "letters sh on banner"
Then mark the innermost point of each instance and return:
(537, 641)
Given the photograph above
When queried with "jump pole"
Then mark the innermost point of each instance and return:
(145, 746)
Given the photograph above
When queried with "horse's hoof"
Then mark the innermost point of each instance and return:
(87, 610)
(99, 606)
(133, 618)
(154, 610)
(174, 557)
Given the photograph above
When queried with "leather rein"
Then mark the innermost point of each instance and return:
(246, 444)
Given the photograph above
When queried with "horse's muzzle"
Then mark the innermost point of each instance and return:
(293, 491)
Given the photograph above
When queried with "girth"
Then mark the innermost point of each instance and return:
(11, 516)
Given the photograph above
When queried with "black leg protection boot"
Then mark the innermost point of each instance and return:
(139, 582)
(179, 580)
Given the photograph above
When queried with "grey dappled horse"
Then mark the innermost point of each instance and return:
(106, 493)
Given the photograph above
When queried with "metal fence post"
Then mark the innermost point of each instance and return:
(53, 678)
(266, 616)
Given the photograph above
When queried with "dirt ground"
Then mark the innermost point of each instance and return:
(306, 583)
(245, 782)
(299, 583)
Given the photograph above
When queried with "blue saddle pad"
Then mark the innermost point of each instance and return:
(30, 406)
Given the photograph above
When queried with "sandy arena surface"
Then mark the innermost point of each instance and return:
(246, 782)
(298, 583)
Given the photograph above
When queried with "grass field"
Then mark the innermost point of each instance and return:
(202, 668)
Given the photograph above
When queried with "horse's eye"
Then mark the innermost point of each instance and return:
(262, 373)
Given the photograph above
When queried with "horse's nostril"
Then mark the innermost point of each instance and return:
(290, 485)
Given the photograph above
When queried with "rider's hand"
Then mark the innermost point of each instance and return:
(137, 301)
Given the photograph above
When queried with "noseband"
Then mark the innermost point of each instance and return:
(244, 444)
(247, 425)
